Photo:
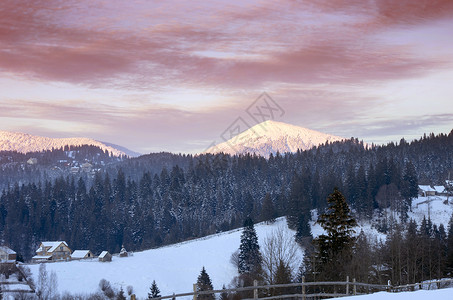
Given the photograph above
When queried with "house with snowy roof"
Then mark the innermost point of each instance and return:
(440, 190)
(81, 254)
(426, 190)
(52, 251)
(7, 255)
(105, 256)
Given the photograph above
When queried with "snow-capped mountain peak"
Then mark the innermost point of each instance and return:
(23, 142)
(272, 137)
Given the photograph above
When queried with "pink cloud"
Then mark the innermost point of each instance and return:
(162, 52)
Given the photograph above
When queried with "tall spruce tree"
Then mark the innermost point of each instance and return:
(249, 251)
(154, 291)
(334, 249)
(204, 284)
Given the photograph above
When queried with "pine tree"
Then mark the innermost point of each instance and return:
(409, 187)
(282, 276)
(224, 295)
(249, 250)
(334, 249)
(204, 284)
(154, 291)
(303, 233)
(449, 262)
(267, 210)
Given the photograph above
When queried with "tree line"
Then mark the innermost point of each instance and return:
(136, 204)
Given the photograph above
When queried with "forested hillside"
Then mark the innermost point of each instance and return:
(163, 198)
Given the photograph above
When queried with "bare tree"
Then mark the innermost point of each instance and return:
(47, 285)
(280, 246)
(43, 279)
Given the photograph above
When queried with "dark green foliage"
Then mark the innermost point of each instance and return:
(268, 212)
(409, 188)
(303, 230)
(154, 291)
(334, 249)
(249, 250)
(204, 284)
(163, 198)
(449, 246)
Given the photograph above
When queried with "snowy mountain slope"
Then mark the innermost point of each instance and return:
(271, 136)
(22, 142)
(175, 268)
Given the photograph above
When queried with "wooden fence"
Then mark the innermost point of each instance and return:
(317, 290)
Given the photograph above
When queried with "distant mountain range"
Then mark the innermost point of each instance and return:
(271, 136)
(23, 142)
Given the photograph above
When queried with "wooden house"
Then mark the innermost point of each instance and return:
(81, 254)
(57, 250)
(7, 255)
(105, 256)
(440, 190)
(123, 252)
(426, 190)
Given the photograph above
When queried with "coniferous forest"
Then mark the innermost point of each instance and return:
(163, 198)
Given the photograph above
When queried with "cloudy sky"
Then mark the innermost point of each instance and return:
(173, 75)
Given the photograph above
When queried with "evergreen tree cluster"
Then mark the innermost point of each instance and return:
(165, 198)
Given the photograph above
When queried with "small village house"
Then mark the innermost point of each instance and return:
(105, 256)
(7, 255)
(32, 161)
(81, 254)
(57, 250)
(426, 190)
(440, 190)
(123, 252)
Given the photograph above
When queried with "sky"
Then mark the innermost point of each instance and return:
(174, 75)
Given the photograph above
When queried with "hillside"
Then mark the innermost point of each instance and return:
(272, 137)
(176, 267)
(22, 142)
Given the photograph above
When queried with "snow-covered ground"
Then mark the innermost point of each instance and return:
(175, 268)
(434, 207)
(417, 295)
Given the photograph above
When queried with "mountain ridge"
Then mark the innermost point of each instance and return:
(24, 142)
(270, 137)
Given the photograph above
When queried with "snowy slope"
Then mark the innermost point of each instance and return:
(22, 142)
(271, 136)
(175, 268)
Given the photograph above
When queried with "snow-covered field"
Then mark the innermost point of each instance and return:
(444, 294)
(176, 268)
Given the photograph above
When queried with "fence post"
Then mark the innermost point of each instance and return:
(355, 287)
(303, 287)
(255, 291)
(347, 285)
(195, 291)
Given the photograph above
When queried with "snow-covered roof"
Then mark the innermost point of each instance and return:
(103, 254)
(53, 245)
(7, 250)
(79, 253)
(42, 256)
(439, 188)
(426, 188)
